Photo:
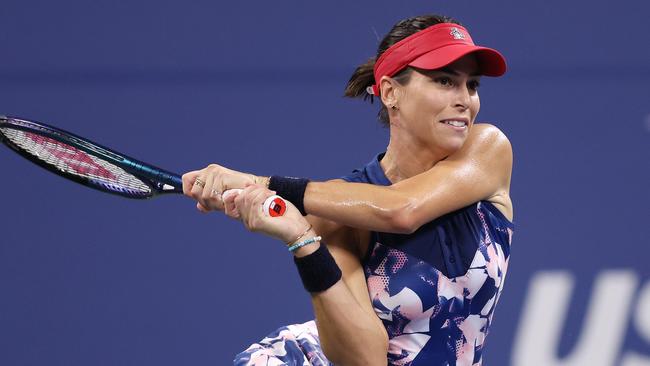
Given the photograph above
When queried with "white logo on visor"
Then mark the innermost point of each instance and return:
(457, 33)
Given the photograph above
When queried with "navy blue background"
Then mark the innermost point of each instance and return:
(92, 279)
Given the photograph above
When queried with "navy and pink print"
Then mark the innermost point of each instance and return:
(435, 290)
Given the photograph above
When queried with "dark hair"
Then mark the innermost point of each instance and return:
(363, 76)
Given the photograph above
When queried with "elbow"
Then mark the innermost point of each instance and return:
(403, 219)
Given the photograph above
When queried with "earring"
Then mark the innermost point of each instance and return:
(394, 107)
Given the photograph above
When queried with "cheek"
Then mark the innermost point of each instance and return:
(476, 106)
(425, 104)
(434, 103)
(424, 96)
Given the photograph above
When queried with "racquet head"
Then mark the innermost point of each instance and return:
(85, 162)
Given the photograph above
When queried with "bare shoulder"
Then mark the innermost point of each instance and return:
(487, 146)
(488, 138)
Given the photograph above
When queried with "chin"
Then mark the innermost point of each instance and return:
(454, 145)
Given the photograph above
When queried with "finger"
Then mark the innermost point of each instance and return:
(221, 180)
(197, 186)
(260, 194)
(239, 201)
(188, 181)
(231, 211)
(256, 201)
(243, 205)
(218, 190)
(229, 203)
(201, 208)
(249, 194)
(207, 187)
(233, 192)
(211, 197)
(256, 194)
(256, 197)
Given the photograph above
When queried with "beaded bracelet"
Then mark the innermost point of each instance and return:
(304, 242)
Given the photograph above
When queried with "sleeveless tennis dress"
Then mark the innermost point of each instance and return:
(435, 290)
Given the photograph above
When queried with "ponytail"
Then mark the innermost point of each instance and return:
(362, 78)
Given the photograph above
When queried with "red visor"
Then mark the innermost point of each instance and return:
(433, 48)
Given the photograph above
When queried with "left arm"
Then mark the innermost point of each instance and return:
(478, 171)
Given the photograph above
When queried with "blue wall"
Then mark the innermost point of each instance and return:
(91, 279)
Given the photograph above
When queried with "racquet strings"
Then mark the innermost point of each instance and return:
(68, 159)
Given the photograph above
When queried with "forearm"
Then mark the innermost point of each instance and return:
(478, 171)
(349, 334)
(364, 206)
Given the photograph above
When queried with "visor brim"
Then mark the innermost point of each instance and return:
(490, 61)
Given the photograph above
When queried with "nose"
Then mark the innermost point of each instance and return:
(462, 97)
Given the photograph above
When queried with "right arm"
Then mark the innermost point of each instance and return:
(349, 330)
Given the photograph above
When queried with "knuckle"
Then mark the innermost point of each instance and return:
(238, 200)
(187, 177)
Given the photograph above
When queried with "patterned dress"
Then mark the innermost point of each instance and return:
(435, 290)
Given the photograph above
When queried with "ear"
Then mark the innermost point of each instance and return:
(389, 91)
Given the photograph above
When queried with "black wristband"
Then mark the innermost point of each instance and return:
(291, 189)
(318, 270)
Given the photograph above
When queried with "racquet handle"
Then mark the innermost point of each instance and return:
(274, 206)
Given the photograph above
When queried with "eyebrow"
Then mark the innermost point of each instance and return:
(454, 72)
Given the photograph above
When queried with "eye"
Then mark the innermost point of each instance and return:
(444, 81)
(474, 85)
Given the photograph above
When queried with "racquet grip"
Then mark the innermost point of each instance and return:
(274, 206)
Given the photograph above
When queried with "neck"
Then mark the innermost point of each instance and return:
(406, 158)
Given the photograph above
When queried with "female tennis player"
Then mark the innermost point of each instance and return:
(406, 257)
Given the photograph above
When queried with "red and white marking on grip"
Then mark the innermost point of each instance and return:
(274, 206)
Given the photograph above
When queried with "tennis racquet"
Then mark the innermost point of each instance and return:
(85, 162)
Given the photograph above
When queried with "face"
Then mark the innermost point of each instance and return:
(436, 108)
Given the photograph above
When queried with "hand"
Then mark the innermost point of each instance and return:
(207, 185)
(248, 207)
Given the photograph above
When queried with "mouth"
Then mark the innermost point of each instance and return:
(456, 123)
